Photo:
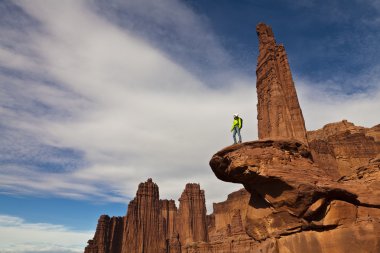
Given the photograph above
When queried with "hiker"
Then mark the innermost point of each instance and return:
(236, 126)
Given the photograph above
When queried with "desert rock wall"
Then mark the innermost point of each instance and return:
(342, 147)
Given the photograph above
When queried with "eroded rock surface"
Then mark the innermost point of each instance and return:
(146, 236)
(289, 205)
(108, 235)
(297, 204)
(148, 227)
(279, 114)
(228, 218)
(341, 147)
(154, 225)
(191, 216)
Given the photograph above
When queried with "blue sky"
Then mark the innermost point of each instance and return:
(98, 96)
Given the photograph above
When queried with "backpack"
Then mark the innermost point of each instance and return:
(241, 123)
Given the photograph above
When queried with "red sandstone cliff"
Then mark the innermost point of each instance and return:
(291, 206)
(228, 218)
(146, 236)
(191, 216)
(341, 147)
(296, 205)
(318, 195)
(315, 191)
(153, 225)
(108, 235)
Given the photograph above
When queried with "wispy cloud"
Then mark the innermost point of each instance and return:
(127, 109)
(335, 102)
(20, 236)
(182, 34)
(116, 108)
(94, 101)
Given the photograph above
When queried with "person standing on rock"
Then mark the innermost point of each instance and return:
(236, 126)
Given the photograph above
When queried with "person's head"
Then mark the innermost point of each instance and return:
(236, 115)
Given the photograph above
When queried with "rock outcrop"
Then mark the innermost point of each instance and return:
(299, 207)
(108, 235)
(192, 226)
(315, 191)
(290, 206)
(148, 227)
(279, 114)
(146, 236)
(319, 195)
(154, 225)
(341, 147)
(228, 218)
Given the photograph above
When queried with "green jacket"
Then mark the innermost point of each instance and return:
(236, 122)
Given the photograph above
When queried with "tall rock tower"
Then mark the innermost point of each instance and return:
(143, 233)
(191, 217)
(279, 114)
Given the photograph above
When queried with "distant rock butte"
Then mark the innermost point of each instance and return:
(279, 114)
(304, 192)
(157, 226)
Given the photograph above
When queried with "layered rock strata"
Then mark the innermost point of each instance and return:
(144, 236)
(108, 236)
(296, 205)
(342, 147)
(279, 114)
(154, 225)
(186, 229)
(192, 215)
(228, 218)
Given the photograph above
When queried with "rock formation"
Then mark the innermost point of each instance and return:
(108, 235)
(228, 218)
(291, 206)
(315, 191)
(192, 215)
(154, 225)
(148, 227)
(319, 195)
(298, 206)
(144, 236)
(341, 147)
(279, 114)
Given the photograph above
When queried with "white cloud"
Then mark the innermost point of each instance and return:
(327, 102)
(132, 110)
(19, 236)
(172, 27)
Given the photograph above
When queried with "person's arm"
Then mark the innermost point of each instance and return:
(233, 125)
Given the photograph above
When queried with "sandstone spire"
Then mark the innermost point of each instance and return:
(191, 224)
(108, 235)
(142, 231)
(279, 114)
